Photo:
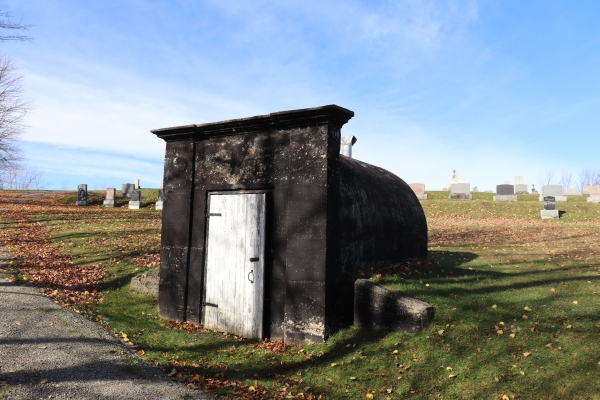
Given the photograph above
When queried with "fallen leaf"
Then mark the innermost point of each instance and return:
(441, 332)
(252, 389)
(369, 395)
(17, 323)
(526, 354)
(553, 290)
(525, 316)
(400, 377)
(500, 332)
(549, 345)
(512, 335)
(522, 373)
(569, 326)
(494, 306)
(505, 397)
(451, 376)
(173, 372)
(43, 381)
(352, 378)
(333, 364)
(42, 347)
(449, 368)
(141, 352)
(427, 284)
(395, 352)
(501, 323)
(575, 302)
(527, 309)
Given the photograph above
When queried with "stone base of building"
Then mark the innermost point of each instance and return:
(593, 199)
(135, 205)
(460, 196)
(81, 203)
(549, 214)
(109, 203)
(421, 196)
(505, 197)
(556, 198)
(159, 205)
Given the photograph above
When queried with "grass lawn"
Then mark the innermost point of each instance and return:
(517, 306)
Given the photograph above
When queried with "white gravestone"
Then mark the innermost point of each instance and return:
(572, 192)
(455, 179)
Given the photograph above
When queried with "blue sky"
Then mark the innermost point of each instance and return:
(493, 89)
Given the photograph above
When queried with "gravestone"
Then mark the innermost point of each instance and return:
(347, 142)
(505, 192)
(419, 189)
(455, 179)
(586, 190)
(572, 192)
(460, 191)
(136, 184)
(136, 201)
(126, 189)
(82, 195)
(594, 192)
(475, 190)
(555, 191)
(518, 180)
(549, 211)
(110, 200)
(533, 190)
(159, 202)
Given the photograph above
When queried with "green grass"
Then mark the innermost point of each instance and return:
(484, 253)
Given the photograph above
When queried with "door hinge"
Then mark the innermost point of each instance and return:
(213, 215)
(254, 259)
(210, 304)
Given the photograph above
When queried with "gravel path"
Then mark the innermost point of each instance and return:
(49, 352)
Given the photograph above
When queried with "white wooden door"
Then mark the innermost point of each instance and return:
(235, 264)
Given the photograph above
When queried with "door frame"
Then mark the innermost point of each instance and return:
(266, 326)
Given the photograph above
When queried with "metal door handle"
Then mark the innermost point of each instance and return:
(251, 280)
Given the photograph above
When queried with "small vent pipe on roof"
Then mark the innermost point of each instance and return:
(347, 143)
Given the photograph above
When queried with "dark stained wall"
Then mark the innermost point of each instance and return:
(326, 214)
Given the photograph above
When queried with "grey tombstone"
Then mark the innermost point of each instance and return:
(347, 142)
(549, 211)
(136, 184)
(136, 201)
(555, 191)
(126, 190)
(159, 202)
(82, 195)
(505, 192)
(475, 190)
(460, 191)
(520, 189)
(110, 200)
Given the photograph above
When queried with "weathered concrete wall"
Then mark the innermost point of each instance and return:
(378, 307)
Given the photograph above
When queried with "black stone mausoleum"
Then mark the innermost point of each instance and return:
(326, 214)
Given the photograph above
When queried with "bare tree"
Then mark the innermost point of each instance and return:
(6, 23)
(566, 179)
(13, 109)
(547, 178)
(13, 105)
(588, 177)
(21, 177)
